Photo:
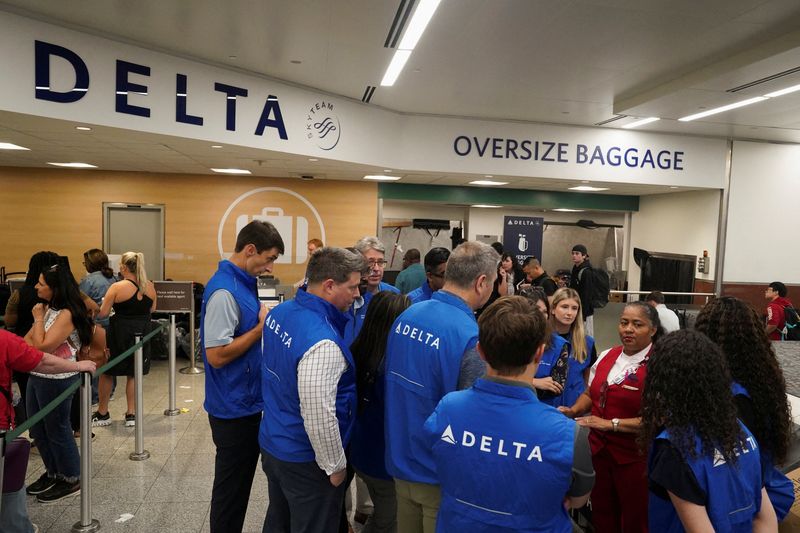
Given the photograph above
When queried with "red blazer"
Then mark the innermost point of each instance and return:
(623, 400)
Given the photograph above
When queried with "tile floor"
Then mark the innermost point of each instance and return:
(170, 491)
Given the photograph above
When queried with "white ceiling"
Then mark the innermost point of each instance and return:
(574, 62)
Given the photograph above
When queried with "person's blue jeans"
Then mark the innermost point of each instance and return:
(14, 513)
(53, 435)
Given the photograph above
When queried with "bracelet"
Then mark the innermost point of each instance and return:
(40, 321)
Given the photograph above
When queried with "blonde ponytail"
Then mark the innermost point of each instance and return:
(134, 262)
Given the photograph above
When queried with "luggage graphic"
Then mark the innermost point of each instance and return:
(284, 224)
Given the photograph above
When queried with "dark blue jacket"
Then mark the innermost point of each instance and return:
(503, 460)
(234, 391)
(355, 317)
(421, 293)
(424, 351)
(290, 330)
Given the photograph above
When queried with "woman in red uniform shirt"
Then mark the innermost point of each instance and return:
(619, 497)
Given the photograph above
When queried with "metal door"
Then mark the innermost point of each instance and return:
(136, 228)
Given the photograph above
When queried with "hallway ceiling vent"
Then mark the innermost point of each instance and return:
(399, 23)
(766, 79)
(610, 120)
(368, 94)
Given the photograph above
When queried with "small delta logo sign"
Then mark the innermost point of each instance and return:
(295, 218)
(323, 127)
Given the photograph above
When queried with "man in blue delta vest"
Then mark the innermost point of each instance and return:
(309, 388)
(506, 461)
(430, 352)
(435, 268)
(231, 321)
(374, 253)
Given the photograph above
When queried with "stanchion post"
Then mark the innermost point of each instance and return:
(2, 461)
(86, 524)
(194, 369)
(139, 453)
(172, 410)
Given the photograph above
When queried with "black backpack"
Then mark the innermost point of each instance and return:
(599, 285)
(792, 321)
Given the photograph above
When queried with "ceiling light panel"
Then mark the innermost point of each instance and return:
(588, 188)
(722, 109)
(10, 146)
(231, 171)
(488, 183)
(419, 21)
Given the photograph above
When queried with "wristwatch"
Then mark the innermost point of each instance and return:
(615, 423)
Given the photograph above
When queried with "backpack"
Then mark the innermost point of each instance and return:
(792, 324)
(599, 285)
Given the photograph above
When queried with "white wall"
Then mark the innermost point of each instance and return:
(763, 219)
(411, 210)
(678, 223)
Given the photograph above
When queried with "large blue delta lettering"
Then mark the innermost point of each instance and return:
(271, 116)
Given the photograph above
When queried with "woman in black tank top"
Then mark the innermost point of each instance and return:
(133, 300)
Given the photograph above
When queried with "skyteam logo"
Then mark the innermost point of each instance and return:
(447, 436)
(322, 125)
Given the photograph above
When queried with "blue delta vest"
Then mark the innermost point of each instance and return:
(355, 317)
(234, 391)
(421, 293)
(733, 492)
(423, 359)
(290, 330)
(503, 460)
(367, 447)
(779, 487)
(575, 385)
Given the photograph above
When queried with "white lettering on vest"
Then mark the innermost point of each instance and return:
(486, 443)
(273, 326)
(468, 439)
(489, 444)
(418, 334)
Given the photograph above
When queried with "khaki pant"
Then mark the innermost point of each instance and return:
(417, 506)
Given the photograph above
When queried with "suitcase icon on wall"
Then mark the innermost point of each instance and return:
(284, 224)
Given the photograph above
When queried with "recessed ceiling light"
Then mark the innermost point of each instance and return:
(73, 165)
(382, 178)
(673, 187)
(9, 146)
(722, 109)
(487, 206)
(387, 170)
(419, 21)
(488, 176)
(588, 188)
(231, 171)
(488, 182)
(83, 128)
(395, 67)
(313, 159)
(568, 210)
(793, 88)
(216, 146)
(641, 122)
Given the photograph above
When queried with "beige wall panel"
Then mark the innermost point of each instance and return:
(61, 210)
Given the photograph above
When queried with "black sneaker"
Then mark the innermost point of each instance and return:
(42, 484)
(130, 420)
(59, 491)
(99, 420)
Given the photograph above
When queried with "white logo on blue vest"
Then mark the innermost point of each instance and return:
(428, 339)
(273, 326)
(719, 460)
(447, 436)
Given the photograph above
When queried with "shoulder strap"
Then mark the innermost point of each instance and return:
(134, 283)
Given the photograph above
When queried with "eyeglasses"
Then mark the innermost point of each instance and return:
(377, 262)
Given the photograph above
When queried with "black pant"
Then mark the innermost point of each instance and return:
(236, 440)
(301, 498)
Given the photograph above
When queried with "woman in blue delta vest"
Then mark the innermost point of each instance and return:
(759, 388)
(367, 445)
(703, 467)
(564, 371)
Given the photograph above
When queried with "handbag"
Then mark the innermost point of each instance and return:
(18, 450)
(558, 373)
(97, 350)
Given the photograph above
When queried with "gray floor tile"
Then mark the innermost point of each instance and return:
(181, 489)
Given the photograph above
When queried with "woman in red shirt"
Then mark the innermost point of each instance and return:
(616, 380)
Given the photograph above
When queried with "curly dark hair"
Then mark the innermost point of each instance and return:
(739, 332)
(688, 392)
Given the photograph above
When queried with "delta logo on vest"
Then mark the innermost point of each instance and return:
(417, 334)
(719, 460)
(486, 444)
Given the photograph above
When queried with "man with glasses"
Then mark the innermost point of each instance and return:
(435, 267)
(374, 253)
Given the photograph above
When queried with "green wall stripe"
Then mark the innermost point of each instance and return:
(507, 197)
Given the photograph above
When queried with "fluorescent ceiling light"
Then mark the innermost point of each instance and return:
(83, 128)
(588, 188)
(568, 210)
(73, 165)
(419, 21)
(488, 182)
(487, 206)
(9, 146)
(231, 171)
(641, 122)
(723, 108)
(216, 146)
(793, 88)
(395, 67)
(382, 178)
